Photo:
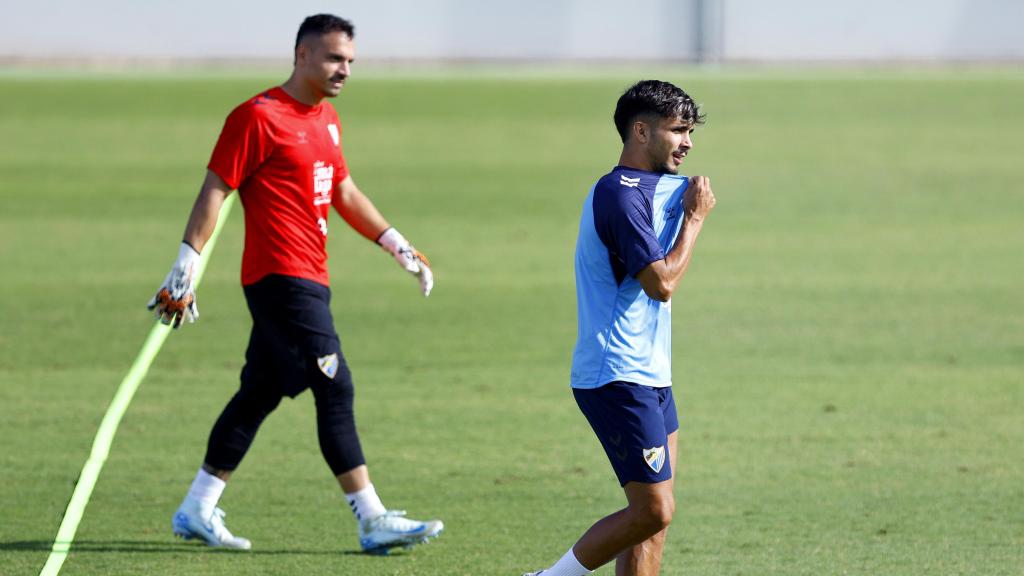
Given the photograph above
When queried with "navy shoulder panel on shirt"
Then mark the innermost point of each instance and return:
(623, 218)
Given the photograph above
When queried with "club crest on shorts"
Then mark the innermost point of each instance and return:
(328, 364)
(655, 458)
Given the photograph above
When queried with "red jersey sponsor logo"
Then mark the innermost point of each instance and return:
(323, 183)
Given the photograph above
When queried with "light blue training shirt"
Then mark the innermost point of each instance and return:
(630, 219)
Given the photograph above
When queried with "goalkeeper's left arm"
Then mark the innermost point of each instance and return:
(360, 213)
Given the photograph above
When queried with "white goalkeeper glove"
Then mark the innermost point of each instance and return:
(176, 299)
(410, 259)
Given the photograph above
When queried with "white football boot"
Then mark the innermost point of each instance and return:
(190, 522)
(537, 573)
(392, 529)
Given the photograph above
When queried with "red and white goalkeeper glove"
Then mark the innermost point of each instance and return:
(176, 299)
(410, 259)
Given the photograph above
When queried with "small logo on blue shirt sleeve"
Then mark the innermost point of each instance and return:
(629, 182)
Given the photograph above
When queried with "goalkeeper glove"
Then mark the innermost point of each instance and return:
(176, 299)
(409, 258)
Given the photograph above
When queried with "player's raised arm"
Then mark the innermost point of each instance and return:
(361, 214)
(659, 279)
(176, 299)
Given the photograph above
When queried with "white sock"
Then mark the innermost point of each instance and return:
(365, 503)
(206, 489)
(568, 565)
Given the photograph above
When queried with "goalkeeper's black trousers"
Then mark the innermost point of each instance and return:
(293, 346)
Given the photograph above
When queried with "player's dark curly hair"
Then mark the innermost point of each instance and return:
(321, 24)
(654, 97)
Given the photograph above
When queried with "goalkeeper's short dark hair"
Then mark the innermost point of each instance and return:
(321, 24)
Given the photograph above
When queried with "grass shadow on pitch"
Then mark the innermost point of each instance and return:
(26, 546)
(149, 546)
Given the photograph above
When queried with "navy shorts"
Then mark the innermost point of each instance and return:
(293, 343)
(633, 423)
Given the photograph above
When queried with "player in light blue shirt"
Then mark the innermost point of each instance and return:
(630, 219)
(637, 233)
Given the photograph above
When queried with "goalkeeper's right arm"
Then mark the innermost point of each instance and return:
(175, 300)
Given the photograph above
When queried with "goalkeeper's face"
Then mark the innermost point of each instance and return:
(325, 62)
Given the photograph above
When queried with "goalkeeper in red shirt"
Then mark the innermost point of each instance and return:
(282, 151)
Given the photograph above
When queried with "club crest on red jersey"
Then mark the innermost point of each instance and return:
(335, 135)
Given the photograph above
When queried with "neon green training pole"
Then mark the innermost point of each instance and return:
(112, 419)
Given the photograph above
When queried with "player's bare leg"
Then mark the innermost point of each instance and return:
(355, 479)
(644, 559)
(649, 512)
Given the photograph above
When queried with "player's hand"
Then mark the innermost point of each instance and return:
(176, 299)
(698, 200)
(409, 258)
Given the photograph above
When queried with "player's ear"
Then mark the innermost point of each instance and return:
(641, 131)
(301, 52)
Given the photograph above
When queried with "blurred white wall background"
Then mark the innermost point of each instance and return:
(593, 30)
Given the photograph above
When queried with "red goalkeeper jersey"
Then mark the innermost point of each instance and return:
(285, 160)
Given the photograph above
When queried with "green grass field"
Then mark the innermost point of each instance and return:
(849, 343)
